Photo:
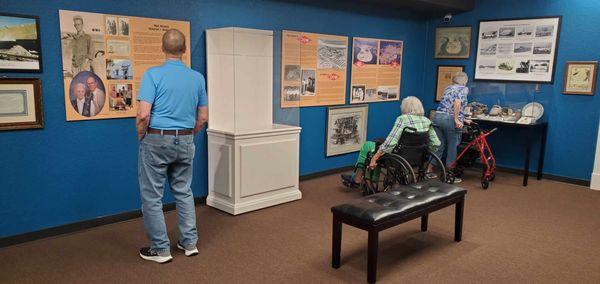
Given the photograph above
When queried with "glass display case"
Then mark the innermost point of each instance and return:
(506, 102)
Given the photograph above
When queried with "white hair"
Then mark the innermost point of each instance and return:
(412, 105)
(79, 85)
(460, 78)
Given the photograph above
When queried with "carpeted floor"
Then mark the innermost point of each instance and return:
(547, 232)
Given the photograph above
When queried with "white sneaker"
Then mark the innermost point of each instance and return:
(188, 251)
(457, 180)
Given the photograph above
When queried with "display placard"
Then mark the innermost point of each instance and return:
(376, 70)
(313, 69)
(104, 58)
(521, 50)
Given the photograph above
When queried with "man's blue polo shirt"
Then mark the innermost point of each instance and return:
(175, 92)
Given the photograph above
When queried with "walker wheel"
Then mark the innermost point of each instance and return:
(492, 176)
(485, 183)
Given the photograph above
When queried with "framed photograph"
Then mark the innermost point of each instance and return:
(346, 129)
(20, 104)
(580, 78)
(453, 42)
(517, 50)
(444, 79)
(20, 47)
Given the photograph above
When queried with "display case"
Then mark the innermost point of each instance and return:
(253, 146)
(506, 102)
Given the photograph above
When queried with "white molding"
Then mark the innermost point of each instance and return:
(595, 183)
(247, 206)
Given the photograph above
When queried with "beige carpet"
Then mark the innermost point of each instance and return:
(548, 232)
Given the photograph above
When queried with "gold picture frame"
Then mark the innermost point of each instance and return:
(580, 78)
(452, 42)
(20, 104)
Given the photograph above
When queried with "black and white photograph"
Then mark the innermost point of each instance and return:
(525, 31)
(19, 43)
(291, 93)
(382, 93)
(119, 69)
(331, 54)
(488, 49)
(82, 40)
(489, 34)
(307, 85)
(346, 129)
(539, 66)
(505, 48)
(523, 66)
(291, 73)
(544, 31)
(111, 26)
(123, 26)
(487, 66)
(506, 32)
(542, 48)
(525, 50)
(392, 93)
(523, 47)
(358, 93)
(505, 66)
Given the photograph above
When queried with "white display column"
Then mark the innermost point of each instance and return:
(252, 162)
(595, 184)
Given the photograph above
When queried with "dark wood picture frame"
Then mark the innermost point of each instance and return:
(37, 101)
(556, 45)
(437, 78)
(38, 45)
(435, 43)
(593, 77)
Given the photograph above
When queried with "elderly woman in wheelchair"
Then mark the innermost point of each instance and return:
(403, 157)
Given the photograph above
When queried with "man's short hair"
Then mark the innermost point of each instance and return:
(173, 42)
(77, 17)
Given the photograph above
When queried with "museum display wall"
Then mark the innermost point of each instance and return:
(572, 119)
(74, 171)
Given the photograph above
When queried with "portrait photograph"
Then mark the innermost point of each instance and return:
(82, 40)
(20, 104)
(453, 42)
(358, 93)
(20, 44)
(123, 26)
(111, 25)
(580, 78)
(308, 82)
(87, 94)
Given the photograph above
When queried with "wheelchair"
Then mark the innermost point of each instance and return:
(406, 164)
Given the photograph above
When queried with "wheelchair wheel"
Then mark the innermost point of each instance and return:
(440, 168)
(390, 170)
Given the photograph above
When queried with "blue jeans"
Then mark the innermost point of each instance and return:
(167, 158)
(448, 134)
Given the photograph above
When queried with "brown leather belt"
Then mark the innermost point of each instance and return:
(171, 132)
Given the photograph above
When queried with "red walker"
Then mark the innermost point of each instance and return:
(477, 147)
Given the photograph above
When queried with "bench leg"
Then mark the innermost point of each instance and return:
(458, 220)
(372, 256)
(424, 220)
(336, 247)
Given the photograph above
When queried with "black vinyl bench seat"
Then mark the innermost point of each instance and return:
(384, 210)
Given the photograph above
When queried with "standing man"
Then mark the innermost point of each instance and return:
(97, 95)
(172, 109)
(82, 48)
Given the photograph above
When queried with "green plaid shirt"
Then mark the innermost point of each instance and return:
(419, 122)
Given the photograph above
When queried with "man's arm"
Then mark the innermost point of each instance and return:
(143, 119)
(201, 118)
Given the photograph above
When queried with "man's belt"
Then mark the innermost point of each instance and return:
(170, 132)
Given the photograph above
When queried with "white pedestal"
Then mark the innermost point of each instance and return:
(254, 169)
(595, 184)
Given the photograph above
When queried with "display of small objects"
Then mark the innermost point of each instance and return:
(478, 110)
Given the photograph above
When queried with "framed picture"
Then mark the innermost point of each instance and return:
(517, 50)
(20, 104)
(346, 129)
(444, 78)
(20, 47)
(453, 42)
(580, 78)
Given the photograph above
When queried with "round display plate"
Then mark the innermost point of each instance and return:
(534, 110)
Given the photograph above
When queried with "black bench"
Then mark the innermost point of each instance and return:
(402, 203)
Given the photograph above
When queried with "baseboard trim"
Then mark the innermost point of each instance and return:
(532, 175)
(326, 173)
(83, 225)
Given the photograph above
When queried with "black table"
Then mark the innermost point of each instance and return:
(539, 128)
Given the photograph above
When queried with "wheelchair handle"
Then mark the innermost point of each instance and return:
(412, 129)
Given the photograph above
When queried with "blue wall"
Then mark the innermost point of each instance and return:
(74, 171)
(572, 120)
